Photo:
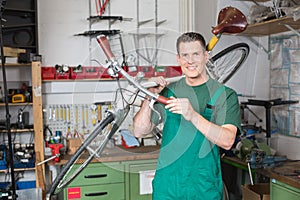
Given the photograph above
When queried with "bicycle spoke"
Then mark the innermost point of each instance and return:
(223, 65)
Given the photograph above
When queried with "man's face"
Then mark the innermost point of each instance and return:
(192, 58)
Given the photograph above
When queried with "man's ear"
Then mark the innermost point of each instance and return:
(178, 59)
(206, 56)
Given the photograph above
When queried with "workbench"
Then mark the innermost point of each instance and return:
(119, 153)
(284, 182)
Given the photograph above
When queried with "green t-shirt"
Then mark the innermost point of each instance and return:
(189, 164)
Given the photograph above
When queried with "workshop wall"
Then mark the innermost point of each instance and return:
(252, 79)
(59, 21)
(270, 72)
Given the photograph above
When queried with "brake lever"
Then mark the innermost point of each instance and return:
(151, 105)
(156, 132)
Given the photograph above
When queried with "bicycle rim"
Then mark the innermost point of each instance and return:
(67, 174)
(224, 65)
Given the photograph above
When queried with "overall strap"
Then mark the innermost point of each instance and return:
(216, 96)
(208, 112)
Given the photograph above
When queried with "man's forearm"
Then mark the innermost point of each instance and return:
(223, 136)
(142, 124)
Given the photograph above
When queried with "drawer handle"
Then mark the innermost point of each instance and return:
(96, 176)
(95, 194)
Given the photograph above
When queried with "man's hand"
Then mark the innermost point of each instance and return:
(181, 106)
(161, 84)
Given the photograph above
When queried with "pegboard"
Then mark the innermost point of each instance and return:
(80, 118)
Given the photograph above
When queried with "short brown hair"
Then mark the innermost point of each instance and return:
(190, 37)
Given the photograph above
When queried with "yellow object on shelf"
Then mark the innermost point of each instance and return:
(18, 98)
(13, 52)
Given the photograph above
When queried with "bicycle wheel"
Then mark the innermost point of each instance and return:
(67, 174)
(223, 65)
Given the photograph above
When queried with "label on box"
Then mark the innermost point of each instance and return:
(146, 178)
(74, 193)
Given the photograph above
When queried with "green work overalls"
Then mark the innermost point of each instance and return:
(189, 165)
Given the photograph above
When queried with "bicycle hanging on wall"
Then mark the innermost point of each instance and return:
(221, 67)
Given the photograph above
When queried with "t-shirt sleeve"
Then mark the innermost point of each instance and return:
(228, 110)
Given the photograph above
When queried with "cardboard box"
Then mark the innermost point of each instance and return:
(259, 191)
(73, 144)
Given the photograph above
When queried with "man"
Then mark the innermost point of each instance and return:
(200, 116)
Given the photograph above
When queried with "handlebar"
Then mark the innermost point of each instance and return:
(104, 44)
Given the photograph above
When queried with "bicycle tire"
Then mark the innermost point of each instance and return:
(225, 64)
(62, 180)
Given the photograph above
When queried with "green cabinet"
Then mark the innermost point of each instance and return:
(98, 181)
(111, 180)
(281, 191)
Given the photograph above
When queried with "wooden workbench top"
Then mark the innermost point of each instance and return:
(118, 154)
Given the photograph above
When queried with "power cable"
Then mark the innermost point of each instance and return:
(8, 125)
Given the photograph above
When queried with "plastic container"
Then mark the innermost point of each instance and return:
(3, 163)
(21, 185)
(4, 185)
(77, 74)
(29, 164)
(91, 72)
(173, 71)
(48, 73)
(147, 70)
(160, 71)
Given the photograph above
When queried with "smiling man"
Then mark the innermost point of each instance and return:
(201, 116)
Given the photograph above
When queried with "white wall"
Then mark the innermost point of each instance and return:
(205, 17)
(60, 20)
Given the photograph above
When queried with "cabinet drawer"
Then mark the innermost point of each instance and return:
(98, 173)
(96, 192)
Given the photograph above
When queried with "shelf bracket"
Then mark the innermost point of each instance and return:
(292, 29)
(258, 45)
(113, 19)
(145, 22)
(160, 22)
